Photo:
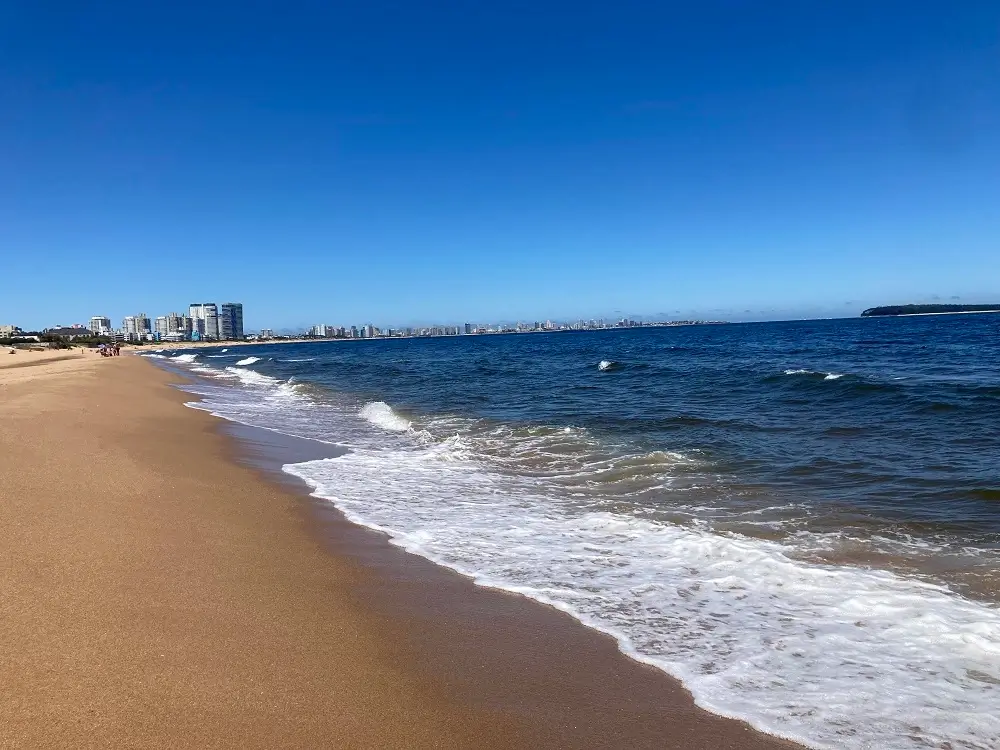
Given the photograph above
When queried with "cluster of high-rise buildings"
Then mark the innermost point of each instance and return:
(369, 331)
(205, 321)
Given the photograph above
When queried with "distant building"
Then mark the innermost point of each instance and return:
(231, 321)
(100, 325)
(208, 315)
(160, 326)
(175, 326)
(266, 333)
(67, 332)
(370, 331)
(136, 327)
(9, 332)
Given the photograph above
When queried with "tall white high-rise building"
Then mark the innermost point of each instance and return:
(100, 325)
(177, 323)
(205, 319)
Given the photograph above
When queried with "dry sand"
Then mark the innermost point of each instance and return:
(156, 593)
(31, 364)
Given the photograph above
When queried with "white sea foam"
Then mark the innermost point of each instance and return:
(247, 361)
(381, 415)
(184, 357)
(155, 356)
(833, 656)
(251, 377)
(305, 359)
(815, 373)
(604, 365)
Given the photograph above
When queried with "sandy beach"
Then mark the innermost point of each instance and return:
(31, 364)
(159, 592)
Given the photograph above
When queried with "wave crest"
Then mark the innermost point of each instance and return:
(381, 415)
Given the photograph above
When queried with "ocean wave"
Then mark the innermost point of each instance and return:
(184, 357)
(606, 365)
(247, 361)
(155, 356)
(252, 377)
(828, 655)
(816, 374)
(381, 415)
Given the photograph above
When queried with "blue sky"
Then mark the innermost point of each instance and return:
(450, 161)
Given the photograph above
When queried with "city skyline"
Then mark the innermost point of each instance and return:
(730, 314)
(205, 321)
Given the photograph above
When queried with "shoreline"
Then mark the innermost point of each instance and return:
(508, 633)
(160, 592)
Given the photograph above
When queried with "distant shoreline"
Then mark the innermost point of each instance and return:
(924, 314)
(911, 310)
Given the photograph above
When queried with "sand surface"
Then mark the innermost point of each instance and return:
(31, 364)
(156, 593)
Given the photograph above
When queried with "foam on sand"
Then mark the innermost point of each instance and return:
(835, 657)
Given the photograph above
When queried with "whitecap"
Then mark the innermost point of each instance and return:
(381, 415)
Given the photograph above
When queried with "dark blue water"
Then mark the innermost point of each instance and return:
(897, 418)
(775, 513)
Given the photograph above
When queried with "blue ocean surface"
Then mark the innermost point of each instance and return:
(799, 520)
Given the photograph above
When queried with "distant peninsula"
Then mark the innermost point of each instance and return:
(874, 312)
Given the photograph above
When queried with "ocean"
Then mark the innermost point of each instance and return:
(801, 521)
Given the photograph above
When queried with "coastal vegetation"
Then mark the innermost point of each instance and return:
(55, 342)
(873, 312)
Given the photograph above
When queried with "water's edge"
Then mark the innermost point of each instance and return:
(648, 687)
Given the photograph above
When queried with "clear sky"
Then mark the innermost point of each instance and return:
(405, 162)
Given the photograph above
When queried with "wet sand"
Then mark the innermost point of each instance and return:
(162, 589)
